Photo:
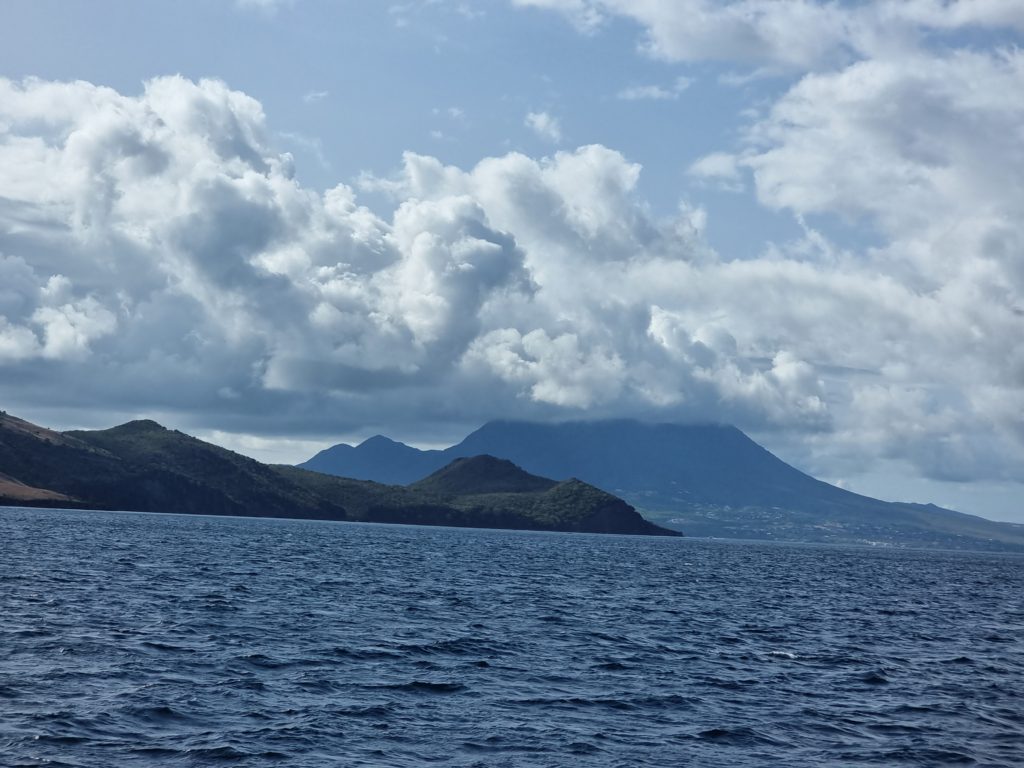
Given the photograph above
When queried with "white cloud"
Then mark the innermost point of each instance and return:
(266, 6)
(312, 97)
(786, 34)
(721, 169)
(928, 151)
(891, 123)
(648, 318)
(655, 92)
(159, 252)
(309, 144)
(909, 142)
(586, 15)
(544, 125)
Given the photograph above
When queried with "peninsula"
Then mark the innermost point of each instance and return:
(141, 466)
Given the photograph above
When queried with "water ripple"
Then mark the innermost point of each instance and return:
(147, 640)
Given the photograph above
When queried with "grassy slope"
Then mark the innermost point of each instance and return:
(18, 492)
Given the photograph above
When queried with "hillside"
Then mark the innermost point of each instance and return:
(17, 492)
(143, 466)
(485, 486)
(709, 480)
(480, 475)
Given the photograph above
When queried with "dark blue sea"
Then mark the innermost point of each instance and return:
(166, 640)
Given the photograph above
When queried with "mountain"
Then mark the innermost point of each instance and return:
(485, 485)
(378, 459)
(482, 474)
(709, 480)
(143, 466)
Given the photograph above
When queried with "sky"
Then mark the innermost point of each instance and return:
(281, 224)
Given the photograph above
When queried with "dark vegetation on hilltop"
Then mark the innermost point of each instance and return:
(482, 474)
(143, 466)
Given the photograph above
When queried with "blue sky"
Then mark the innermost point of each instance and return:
(347, 87)
(283, 224)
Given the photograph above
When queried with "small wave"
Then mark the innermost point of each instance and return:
(897, 611)
(373, 710)
(226, 752)
(668, 701)
(159, 646)
(33, 632)
(918, 756)
(59, 739)
(610, 666)
(896, 728)
(731, 685)
(425, 686)
(738, 737)
(995, 637)
(318, 685)
(497, 744)
(365, 654)
(262, 661)
(245, 683)
(914, 709)
(48, 763)
(155, 752)
(575, 702)
(157, 714)
(875, 677)
(460, 646)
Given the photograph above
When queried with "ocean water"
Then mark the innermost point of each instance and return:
(166, 640)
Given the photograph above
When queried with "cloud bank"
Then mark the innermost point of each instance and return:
(787, 34)
(900, 118)
(157, 253)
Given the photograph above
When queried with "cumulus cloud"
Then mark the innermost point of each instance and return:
(158, 251)
(888, 121)
(721, 169)
(941, 178)
(544, 125)
(907, 141)
(785, 34)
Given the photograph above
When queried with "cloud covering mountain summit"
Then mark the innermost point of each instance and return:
(158, 250)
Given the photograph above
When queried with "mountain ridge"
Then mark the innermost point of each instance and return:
(706, 479)
(143, 466)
